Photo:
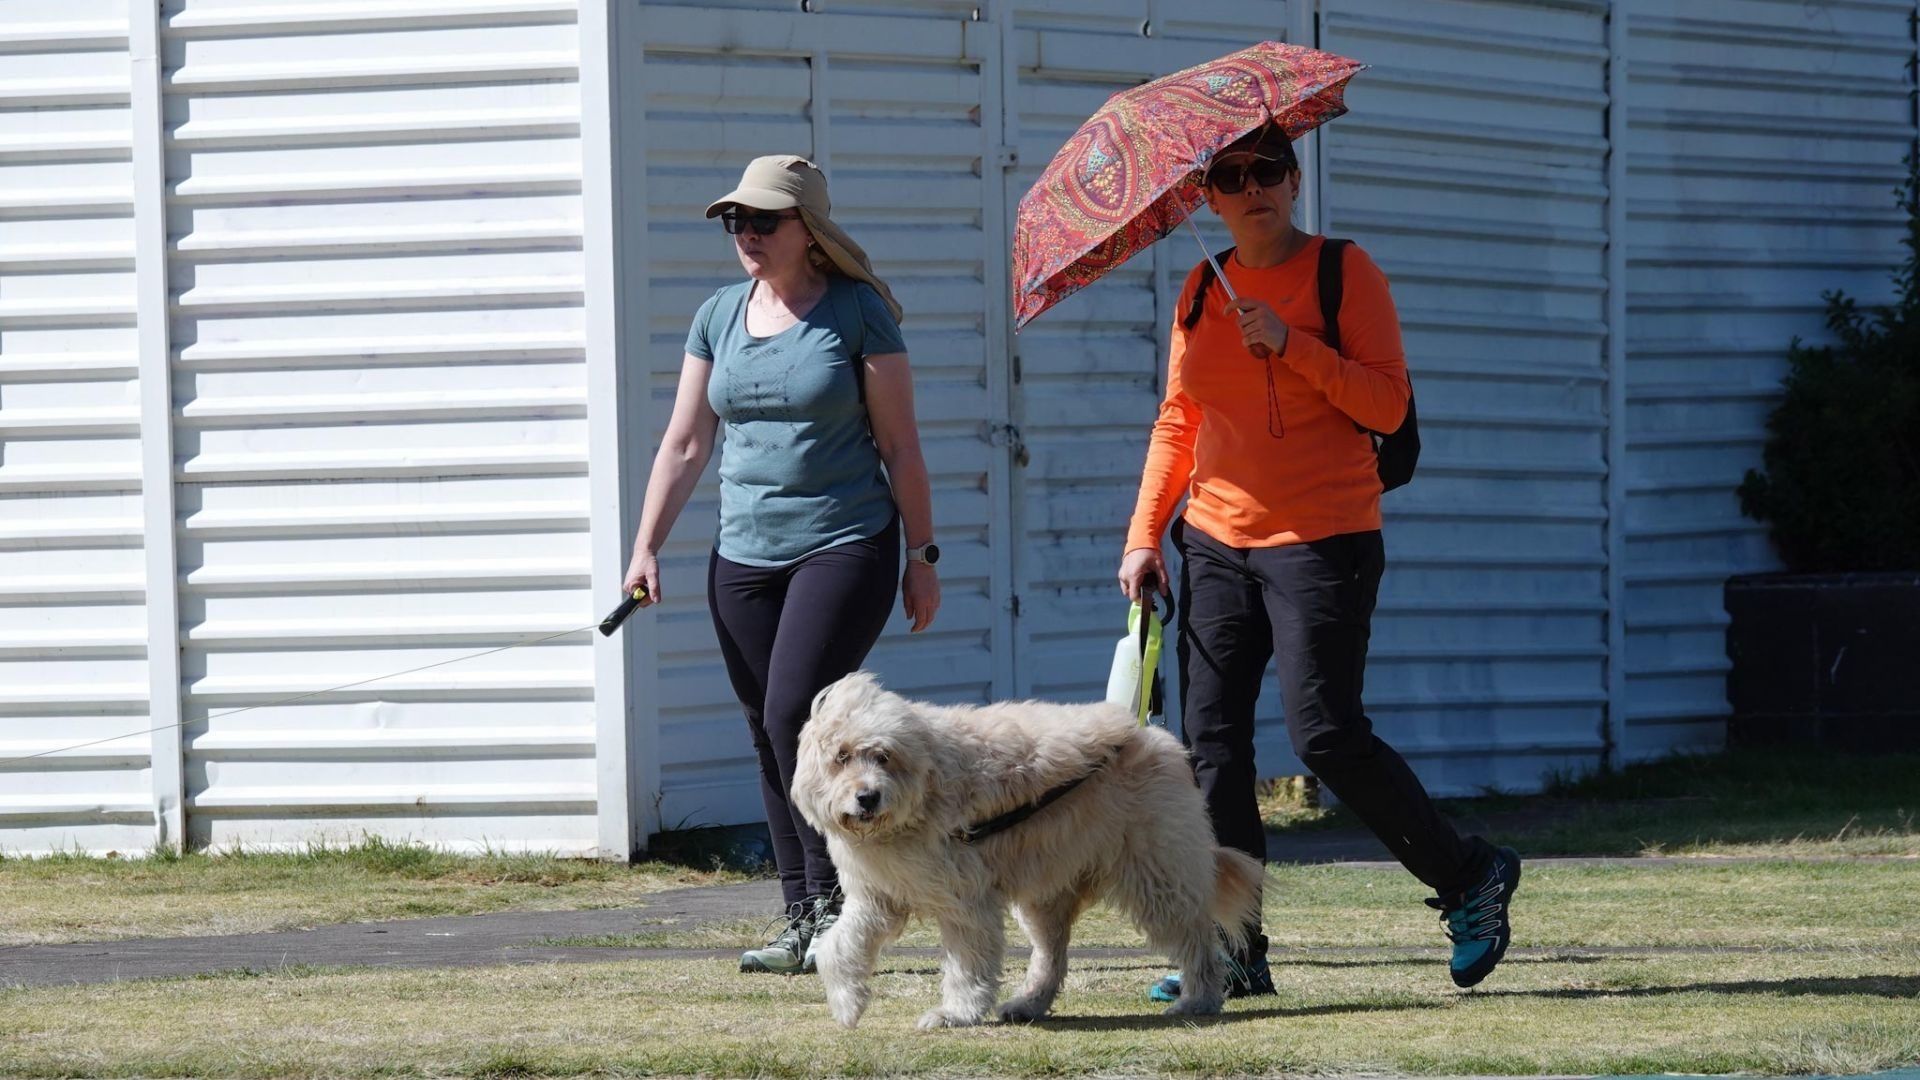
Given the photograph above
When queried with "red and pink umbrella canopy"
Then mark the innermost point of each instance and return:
(1132, 173)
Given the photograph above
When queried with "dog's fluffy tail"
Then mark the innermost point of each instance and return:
(1237, 878)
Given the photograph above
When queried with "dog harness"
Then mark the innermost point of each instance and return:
(973, 834)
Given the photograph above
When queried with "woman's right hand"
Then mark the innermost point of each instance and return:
(1143, 567)
(643, 570)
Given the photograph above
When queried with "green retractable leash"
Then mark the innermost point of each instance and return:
(1149, 632)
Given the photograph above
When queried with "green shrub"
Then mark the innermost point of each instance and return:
(1841, 486)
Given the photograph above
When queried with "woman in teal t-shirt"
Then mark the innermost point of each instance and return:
(820, 473)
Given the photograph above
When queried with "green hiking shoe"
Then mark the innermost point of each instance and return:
(787, 952)
(826, 912)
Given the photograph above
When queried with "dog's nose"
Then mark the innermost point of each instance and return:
(868, 800)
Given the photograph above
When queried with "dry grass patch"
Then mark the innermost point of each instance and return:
(1781, 904)
(78, 898)
(1769, 1013)
(1750, 802)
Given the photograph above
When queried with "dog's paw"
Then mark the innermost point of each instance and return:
(1022, 1010)
(1195, 1006)
(933, 1019)
(846, 1007)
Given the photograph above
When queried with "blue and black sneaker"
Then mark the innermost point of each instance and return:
(1247, 974)
(1477, 919)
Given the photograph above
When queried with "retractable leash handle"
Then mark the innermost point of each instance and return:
(619, 615)
(1148, 641)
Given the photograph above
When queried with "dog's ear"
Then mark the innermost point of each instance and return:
(846, 695)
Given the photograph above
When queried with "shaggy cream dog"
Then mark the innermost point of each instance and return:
(892, 783)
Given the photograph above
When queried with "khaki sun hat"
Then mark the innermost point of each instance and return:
(790, 182)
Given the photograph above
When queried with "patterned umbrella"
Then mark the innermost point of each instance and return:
(1132, 173)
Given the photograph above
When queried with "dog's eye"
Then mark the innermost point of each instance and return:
(842, 758)
(880, 758)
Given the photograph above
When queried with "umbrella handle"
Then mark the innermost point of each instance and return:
(1260, 352)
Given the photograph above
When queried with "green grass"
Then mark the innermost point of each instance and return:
(1741, 803)
(1772, 905)
(1782, 965)
(84, 898)
(1774, 1013)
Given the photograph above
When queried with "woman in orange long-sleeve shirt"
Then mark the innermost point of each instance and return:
(1281, 547)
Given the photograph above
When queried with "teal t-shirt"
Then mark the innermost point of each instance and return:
(799, 472)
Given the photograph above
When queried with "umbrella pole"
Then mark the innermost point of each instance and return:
(1217, 272)
(1260, 352)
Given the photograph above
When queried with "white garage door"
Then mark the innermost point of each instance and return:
(1090, 372)
(1473, 169)
(892, 107)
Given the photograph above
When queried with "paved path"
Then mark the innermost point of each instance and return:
(517, 937)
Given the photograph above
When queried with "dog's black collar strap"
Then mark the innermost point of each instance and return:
(973, 834)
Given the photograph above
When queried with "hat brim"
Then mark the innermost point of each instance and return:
(753, 198)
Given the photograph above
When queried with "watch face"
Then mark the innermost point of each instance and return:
(930, 554)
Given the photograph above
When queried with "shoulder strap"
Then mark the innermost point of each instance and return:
(973, 834)
(1397, 452)
(1332, 288)
(1199, 304)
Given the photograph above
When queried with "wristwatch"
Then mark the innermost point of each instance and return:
(928, 553)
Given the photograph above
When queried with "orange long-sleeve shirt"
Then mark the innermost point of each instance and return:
(1212, 440)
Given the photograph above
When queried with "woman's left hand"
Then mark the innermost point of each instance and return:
(920, 594)
(1260, 324)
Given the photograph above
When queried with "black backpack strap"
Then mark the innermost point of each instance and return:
(1333, 287)
(1333, 291)
(1199, 304)
(1396, 452)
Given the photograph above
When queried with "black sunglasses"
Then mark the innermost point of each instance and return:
(1231, 178)
(762, 222)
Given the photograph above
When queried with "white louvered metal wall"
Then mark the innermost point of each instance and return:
(891, 106)
(309, 317)
(73, 630)
(1763, 145)
(376, 280)
(1473, 169)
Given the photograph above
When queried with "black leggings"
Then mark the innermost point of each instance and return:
(787, 632)
(1311, 607)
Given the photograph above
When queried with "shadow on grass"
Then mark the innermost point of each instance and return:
(1161, 967)
(1887, 986)
(1233, 1015)
(1440, 961)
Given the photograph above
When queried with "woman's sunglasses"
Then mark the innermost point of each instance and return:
(762, 222)
(1231, 178)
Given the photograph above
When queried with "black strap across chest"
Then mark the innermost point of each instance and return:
(979, 831)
